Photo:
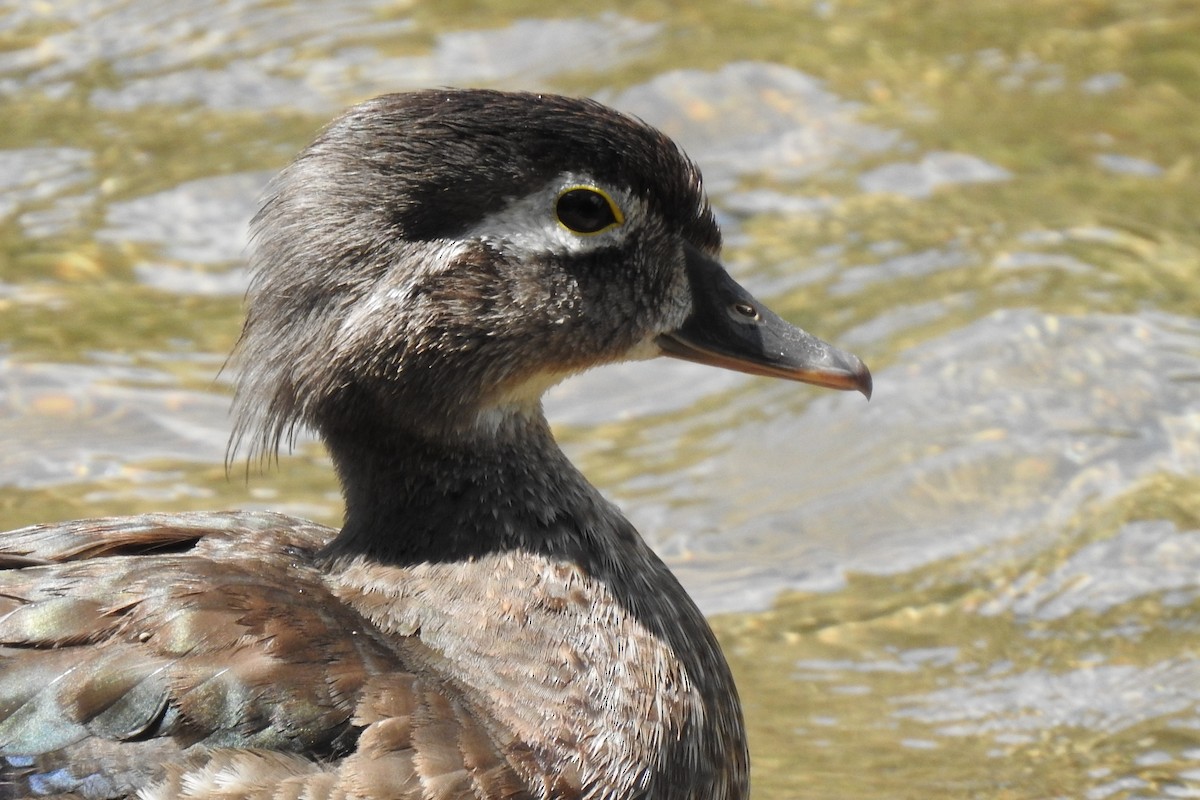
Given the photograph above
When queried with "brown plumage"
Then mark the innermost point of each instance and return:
(484, 625)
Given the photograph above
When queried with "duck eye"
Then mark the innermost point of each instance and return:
(587, 210)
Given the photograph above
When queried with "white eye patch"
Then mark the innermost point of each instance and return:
(532, 225)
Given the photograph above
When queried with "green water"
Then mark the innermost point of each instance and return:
(983, 584)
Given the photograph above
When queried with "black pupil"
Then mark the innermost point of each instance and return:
(585, 211)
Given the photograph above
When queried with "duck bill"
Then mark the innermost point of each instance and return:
(729, 328)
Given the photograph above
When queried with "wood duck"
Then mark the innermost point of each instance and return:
(484, 625)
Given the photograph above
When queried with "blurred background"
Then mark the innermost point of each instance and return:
(985, 583)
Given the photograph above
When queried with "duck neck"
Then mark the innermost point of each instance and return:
(472, 524)
(505, 519)
(413, 497)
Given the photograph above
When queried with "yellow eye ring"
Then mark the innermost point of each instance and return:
(587, 210)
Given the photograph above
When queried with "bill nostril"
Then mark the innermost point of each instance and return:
(746, 310)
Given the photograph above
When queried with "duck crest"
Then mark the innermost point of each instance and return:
(485, 625)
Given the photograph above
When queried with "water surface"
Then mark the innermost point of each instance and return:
(985, 583)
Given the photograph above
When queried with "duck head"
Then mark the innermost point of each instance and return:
(434, 261)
